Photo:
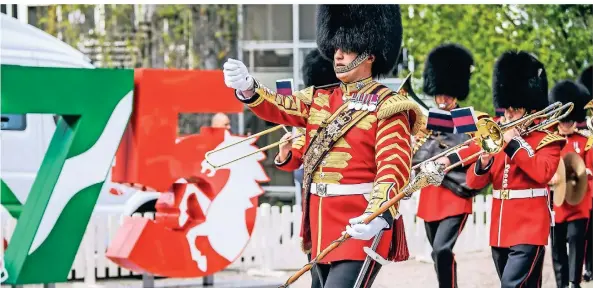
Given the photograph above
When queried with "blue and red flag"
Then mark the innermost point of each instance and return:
(440, 120)
(284, 86)
(465, 119)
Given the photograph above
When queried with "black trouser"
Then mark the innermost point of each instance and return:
(568, 266)
(519, 265)
(442, 236)
(589, 245)
(342, 274)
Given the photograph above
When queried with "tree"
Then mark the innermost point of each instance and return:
(559, 35)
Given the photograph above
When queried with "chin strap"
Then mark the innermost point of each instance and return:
(355, 63)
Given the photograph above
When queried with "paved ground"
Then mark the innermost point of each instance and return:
(474, 270)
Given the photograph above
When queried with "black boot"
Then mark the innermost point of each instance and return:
(587, 276)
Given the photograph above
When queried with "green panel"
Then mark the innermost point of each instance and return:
(9, 200)
(96, 105)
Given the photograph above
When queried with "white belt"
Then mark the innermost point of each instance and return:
(519, 193)
(323, 190)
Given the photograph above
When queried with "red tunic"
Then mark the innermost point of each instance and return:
(376, 151)
(566, 212)
(432, 198)
(531, 164)
(430, 206)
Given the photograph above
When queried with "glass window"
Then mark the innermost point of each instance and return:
(307, 22)
(15, 122)
(303, 53)
(3, 8)
(279, 60)
(267, 22)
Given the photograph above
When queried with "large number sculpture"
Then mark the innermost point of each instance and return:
(95, 105)
(204, 216)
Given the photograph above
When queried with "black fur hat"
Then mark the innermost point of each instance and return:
(447, 71)
(569, 91)
(586, 78)
(376, 29)
(318, 71)
(519, 81)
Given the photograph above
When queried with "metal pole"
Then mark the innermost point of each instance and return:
(296, 55)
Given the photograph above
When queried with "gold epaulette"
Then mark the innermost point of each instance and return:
(397, 103)
(305, 95)
(550, 138)
(589, 105)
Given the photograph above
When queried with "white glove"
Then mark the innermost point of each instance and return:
(365, 231)
(236, 75)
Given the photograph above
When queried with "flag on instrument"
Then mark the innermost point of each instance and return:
(440, 120)
(284, 86)
(465, 119)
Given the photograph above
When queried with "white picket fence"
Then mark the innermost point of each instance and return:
(275, 242)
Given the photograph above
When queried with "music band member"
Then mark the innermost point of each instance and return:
(586, 79)
(445, 208)
(358, 134)
(570, 220)
(521, 216)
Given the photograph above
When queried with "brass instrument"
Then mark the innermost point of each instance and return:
(489, 137)
(576, 179)
(270, 130)
(560, 186)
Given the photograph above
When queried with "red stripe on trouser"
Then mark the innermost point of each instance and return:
(369, 276)
(453, 263)
(532, 266)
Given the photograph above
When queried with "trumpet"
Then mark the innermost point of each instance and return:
(270, 130)
(490, 139)
(489, 134)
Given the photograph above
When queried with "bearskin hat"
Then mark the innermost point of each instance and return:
(318, 71)
(586, 78)
(569, 91)
(519, 81)
(447, 71)
(375, 29)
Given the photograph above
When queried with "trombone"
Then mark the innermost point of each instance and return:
(269, 130)
(490, 135)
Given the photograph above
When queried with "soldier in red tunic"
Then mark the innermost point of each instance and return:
(358, 133)
(586, 79)
(445, 208)
(571, 221)
(521, 216)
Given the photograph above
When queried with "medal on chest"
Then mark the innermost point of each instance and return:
(365, 102)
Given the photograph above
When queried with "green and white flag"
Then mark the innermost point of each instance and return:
(95, 105)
